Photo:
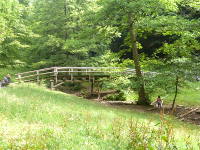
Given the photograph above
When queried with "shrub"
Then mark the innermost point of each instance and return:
(116, 97)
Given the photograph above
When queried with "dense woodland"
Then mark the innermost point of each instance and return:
(149, 35)
(160, 39)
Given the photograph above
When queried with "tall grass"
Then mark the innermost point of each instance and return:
(33, 117)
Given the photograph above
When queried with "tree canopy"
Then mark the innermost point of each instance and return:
(128, 33)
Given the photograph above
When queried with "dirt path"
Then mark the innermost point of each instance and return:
(186, 114)
(183, 113)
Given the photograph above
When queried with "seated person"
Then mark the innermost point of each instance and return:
(6, 81)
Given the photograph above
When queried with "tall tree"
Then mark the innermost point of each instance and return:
(13, 31)
(66, 32)
(127, 14)
(138, 17)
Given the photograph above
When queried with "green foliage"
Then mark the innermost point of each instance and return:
(163, 81)
(75, 33)
(81, 33)
(13, 31)
(190, 8)
(120, 96)
(74, 86)
(68, 35)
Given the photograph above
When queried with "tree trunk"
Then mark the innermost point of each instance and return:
(65, 14)
(176, 92)
(143, 97)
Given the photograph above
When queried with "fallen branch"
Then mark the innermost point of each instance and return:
(59, 84)
(181, 116)
(119, 102)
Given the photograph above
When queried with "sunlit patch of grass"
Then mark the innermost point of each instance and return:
(189, 95)
(33, 117)
(24, 135)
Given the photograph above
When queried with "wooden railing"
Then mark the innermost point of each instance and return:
(71, 71)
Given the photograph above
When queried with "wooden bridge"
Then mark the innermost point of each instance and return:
(60, 75)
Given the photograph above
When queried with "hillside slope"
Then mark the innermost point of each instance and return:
(33, 117)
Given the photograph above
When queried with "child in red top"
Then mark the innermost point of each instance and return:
(159, 102)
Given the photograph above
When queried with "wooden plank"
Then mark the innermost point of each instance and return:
(90, 71)
(119, 102)
(59, 84)
(24, 77)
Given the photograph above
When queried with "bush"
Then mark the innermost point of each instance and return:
(73, 86)
(116, 97)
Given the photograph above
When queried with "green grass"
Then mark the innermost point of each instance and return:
(189, 95)
(33, 117)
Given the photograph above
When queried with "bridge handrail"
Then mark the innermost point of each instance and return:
(56, 70)
(88, 67)
(45, 69)
(24, 77)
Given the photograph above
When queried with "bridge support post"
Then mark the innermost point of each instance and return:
(52, 84)
(89, 76)
(19, 77)
(92, 86)
(56, 75)
(38, 77)
(89, 79)
(72, 74)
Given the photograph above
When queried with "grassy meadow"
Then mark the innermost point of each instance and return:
(188, 95)
(34, 118)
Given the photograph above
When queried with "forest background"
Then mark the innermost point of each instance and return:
(165, 33)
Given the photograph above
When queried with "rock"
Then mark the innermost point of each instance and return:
(188, 108)
(198, 111)
(179, 106)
